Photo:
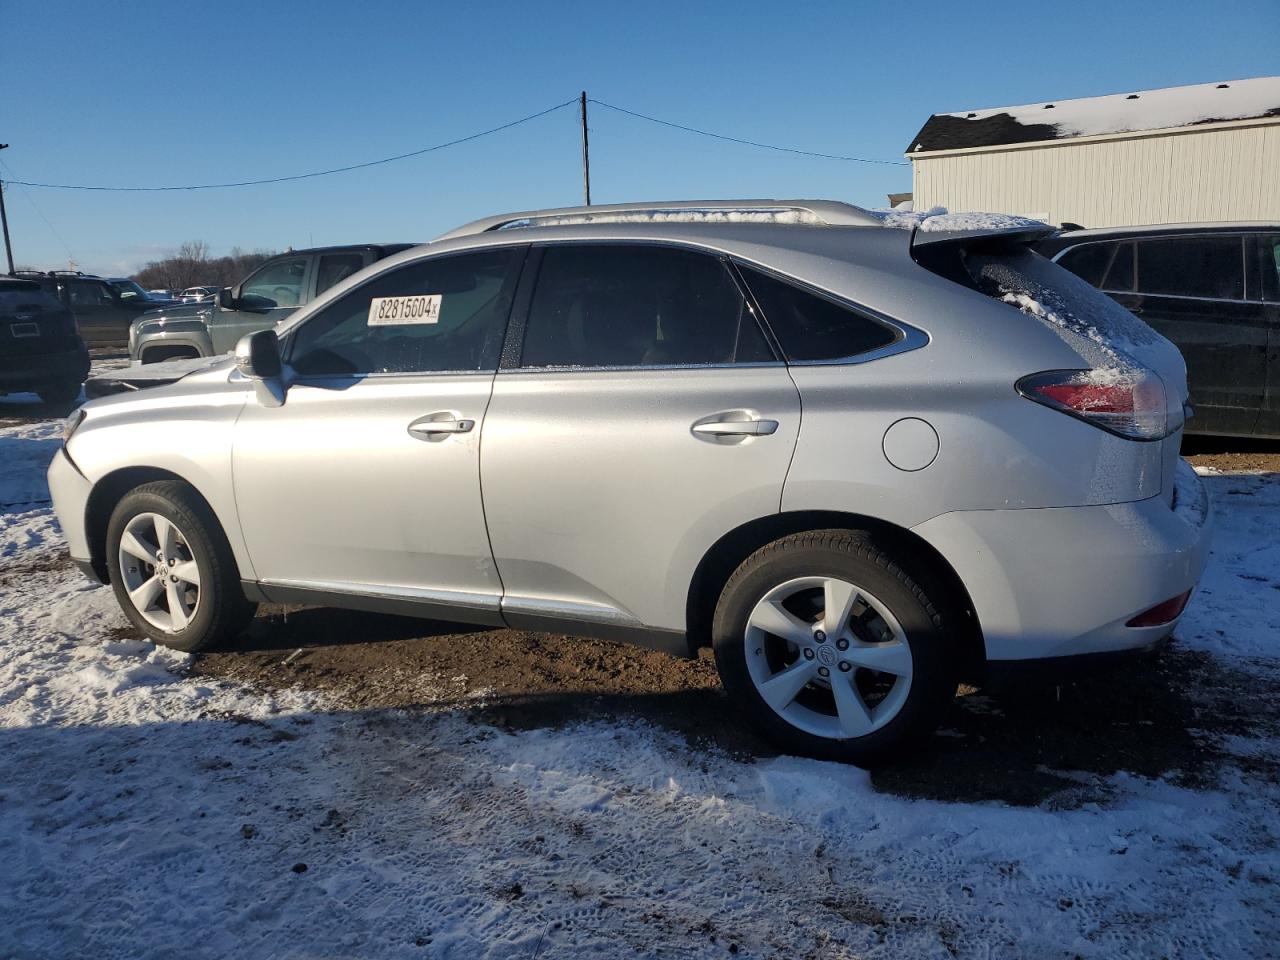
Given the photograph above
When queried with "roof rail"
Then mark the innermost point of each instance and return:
(814, 212)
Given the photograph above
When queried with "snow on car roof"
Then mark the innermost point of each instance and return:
(1168, 107)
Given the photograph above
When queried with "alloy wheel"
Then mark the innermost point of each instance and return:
(828, 657)
(159, 572)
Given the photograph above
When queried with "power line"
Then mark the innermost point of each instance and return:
(453, 143)
(32, 200)
(748, 143)
(318, 173)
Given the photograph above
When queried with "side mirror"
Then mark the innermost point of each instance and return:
(258, 358)
(225, 299)
(258, 355)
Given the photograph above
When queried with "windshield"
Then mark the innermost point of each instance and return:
(129, 289)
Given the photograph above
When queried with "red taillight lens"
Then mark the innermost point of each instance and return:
(1128, 403)
(1162, 613)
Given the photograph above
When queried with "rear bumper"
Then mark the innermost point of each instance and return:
(1064, 582)
(37, 370)
(70, 492)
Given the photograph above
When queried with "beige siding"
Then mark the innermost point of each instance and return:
(1221, 174)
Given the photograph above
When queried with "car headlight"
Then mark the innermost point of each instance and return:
(71, 424)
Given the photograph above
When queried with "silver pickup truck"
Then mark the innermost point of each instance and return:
(264, 298)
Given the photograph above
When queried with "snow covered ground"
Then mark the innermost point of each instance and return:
(144, 813)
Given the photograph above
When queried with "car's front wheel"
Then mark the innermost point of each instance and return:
(172, 570)
(832, 650)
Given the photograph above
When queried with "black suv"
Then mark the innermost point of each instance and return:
(39, 347)
(1214, 290)
(101, 314)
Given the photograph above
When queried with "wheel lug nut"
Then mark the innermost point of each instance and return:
(824, 672)
(808, 654)
(845, 667)
(820, 636)
(172, 561)
(842, 644)
(174, 579)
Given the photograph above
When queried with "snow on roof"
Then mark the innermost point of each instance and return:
(940, 220)
(1094, 116)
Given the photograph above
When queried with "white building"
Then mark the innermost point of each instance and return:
(1181, 154)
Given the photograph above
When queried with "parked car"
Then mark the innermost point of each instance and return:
(833, 451)
(102, 315)
(131, 290)
(1214, 290)
(40, 350)
(197, 294)
(161, 293)
(264, 298)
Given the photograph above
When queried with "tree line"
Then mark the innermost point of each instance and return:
(191, 266)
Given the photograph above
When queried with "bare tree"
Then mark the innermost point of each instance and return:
(190, 265)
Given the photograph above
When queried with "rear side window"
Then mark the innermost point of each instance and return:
(87, 293)
(627, 305)
(812, 327)
(1210, 267)
(1108, 266)
(447, 314)
(336, 267)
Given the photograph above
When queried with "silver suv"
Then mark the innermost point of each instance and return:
(861, 463)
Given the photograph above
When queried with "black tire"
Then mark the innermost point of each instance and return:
(853, 557)
(60, 394)
(223, 612)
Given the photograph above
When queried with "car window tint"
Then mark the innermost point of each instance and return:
(812, 327)
(446, 314)
(1089, 261)
(335, 267)
(631, 305)
(87, 293)
(279, 281)
(1119, 275)
(1192, 267)
(1270, 267)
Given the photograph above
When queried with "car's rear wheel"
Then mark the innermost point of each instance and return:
(172, 570)
(832, 650)
(59, 394)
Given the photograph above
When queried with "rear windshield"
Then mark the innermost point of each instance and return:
(26, 300)
(1043, 289)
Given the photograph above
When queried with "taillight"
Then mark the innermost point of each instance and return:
(1129, 403)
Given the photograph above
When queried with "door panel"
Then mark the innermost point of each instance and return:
(1225, 346)
(1191, 290)
(334, 490)
(600, 496)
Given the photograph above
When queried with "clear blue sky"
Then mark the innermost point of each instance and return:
(173, 92)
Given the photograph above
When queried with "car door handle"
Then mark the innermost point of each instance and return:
(736, 428)
(426, 428)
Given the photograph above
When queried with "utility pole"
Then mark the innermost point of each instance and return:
(4, 217)
(586, 152)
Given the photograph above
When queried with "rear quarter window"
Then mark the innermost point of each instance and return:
(813, 327)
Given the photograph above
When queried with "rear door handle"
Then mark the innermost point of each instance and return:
(736, 428)
(435, 425)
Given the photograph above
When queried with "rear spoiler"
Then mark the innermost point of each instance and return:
(968, 239)
(942, 251)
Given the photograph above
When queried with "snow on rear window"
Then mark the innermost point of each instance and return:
(1044, 290)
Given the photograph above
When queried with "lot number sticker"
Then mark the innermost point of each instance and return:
(385, 311)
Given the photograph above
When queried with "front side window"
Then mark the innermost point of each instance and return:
(336, 267)
(1270, 266)
(1209, 267)
(632, 305)
(812, 327)
(276, 284)
(445, 314)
